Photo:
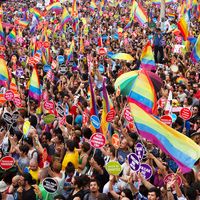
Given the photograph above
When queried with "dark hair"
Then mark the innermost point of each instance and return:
(95, 180)
(57, 131)
(28, 178)
(60, 137)
(100, 161)
(60, 197)
(29, 141)
(78, 180)
(69, 168)
(3, 123)
(86, 146)
(87, 132)
(156, 190)
(112, 149)
(191, 193)
(33, 120)
(24, 148)
(128, 193)
(47, 135)
(70, 145)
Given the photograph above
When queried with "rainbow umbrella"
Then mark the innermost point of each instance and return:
(122, 56)
(125, 81)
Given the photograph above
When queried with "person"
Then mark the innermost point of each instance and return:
(94, 193)
(158, 46)
(25, 190)
(3, 192)
(14, 186)
(153, 194)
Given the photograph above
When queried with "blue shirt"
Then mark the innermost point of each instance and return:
(158, 40)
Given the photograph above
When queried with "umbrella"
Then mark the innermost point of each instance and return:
(122, 56)
(126, 81)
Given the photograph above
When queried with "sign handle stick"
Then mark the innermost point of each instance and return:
(47, 197)
(122, 112)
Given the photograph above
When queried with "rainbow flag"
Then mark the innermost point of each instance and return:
(22, 23)
(71, 49)
(147, 58)
(195, 55)
(34, 87)
(158, 2)
(184, 151)
(12, 36)
(56, 7)
(93, 106)
(107, 106)
(65, 17)
(37, 13)
(183, 27)
(4, 77)
(74, 14)
(93, 5)
(2, 35)
(140, 15)
(145, 96)
(13, 86)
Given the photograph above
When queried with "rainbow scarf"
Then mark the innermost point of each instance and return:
(184, 151)
(56, 7)
(2, 35)
(34, 87)
(65, 17)
(145, 96)
(107, 106)
(183, 27)
(12, 36)
(4, 77)
(147, 58)
(195, 55)
(140, 15)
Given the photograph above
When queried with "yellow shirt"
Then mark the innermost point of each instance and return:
(34, 174)
(70, 157)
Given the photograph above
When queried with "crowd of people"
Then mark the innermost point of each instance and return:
(62, 151)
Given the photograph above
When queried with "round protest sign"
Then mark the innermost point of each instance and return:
(46, 44)
(115, 140)
(110, 115)
(9, 95)
(102, 51)
(113, 168)
(61, 59)
(48, 105)
(7, 117)
(127, 115)
(139, 150)
(19, 72)
(97, 140)
(48, 119)
(26, 127)
(18, 102)
(185, 113)
(166, 119)
(50, 185)
(46, 68)
(60, 111)
(146, 171)
(7, 162)
(134, 161)
(95, 121)
(172, 177)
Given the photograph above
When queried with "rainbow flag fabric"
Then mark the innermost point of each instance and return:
(70, 56)
(195, 55)
(93, 6)
(2, 35)
(34, 87)
(37, 13)
(56, 7)
(147, 58)
(183, 27)
(145, 96)
(184, 151)
(140, 15)
(12, 36)
(22, 23)
(107, 106)
(4, 77)
(65, 17)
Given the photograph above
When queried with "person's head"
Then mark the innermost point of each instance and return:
(33, 165)
(195, 110)
(59, 197)
(23, 150)
(59, 138)
(3, 127)
(191, 193)
(3, 188)
(85, 147)
(46, 137)
(77, 181)
(153, 193)
(15, 181)
(70, 145)
(56, 166)
(111, 150)
(123, 144)
(126, 194)
(94, 186)
(28, 141)
(70, 169)
(26, 179)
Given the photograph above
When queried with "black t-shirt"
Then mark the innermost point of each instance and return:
(29, 194)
